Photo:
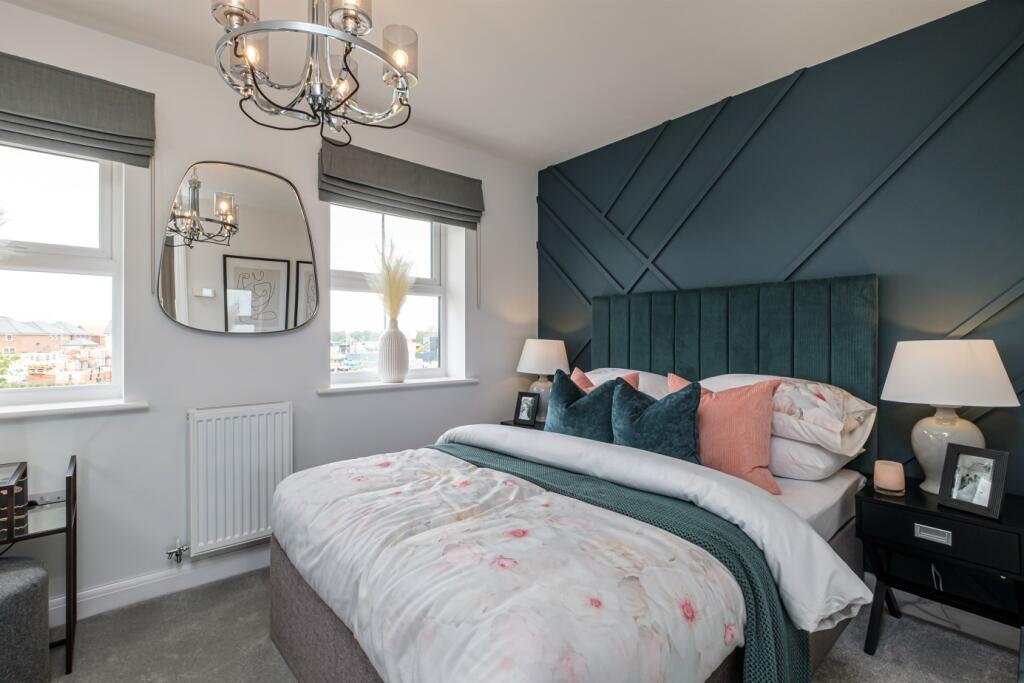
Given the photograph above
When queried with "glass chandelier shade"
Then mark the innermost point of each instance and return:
(323, 95)
(188, 223)
(234, 13)
(353, 16)
(402, 45)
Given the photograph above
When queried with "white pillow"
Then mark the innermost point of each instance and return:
(794, 418)
(797, 460)
(655, 386)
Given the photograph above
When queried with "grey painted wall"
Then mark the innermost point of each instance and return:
(905, 159)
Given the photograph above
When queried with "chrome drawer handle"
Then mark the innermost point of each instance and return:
(930, 533)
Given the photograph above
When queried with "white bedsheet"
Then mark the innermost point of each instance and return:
(827, 504)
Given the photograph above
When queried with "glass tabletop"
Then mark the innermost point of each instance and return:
(42, 520)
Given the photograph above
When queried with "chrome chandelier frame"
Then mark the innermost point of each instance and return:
(191, 226)
(313, 100)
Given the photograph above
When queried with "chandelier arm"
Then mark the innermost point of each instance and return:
(408, 115)
(241, 106)
(344, 101)
(284, 108)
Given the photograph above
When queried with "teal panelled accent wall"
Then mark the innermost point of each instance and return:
(905, 159)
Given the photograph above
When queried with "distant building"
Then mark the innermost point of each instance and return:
(57, 353)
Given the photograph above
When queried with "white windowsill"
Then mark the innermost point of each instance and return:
(366, 387)
(116, 405)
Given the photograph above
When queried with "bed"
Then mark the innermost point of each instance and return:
(504, 554)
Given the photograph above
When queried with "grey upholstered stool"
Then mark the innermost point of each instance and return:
(24, 621)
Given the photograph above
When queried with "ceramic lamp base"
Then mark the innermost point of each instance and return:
(930, 437)
(542, 386)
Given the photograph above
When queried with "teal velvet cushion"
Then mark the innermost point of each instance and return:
(574, 412)
(668, 426)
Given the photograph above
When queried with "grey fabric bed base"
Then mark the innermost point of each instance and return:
(319, 648)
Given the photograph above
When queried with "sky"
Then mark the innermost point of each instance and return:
(356, 240)
(51, 199)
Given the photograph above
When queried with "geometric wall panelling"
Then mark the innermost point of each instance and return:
(901, 159)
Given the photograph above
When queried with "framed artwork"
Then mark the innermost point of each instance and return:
(255, 294)
(526, 409)
(974, 480)
(305, 292)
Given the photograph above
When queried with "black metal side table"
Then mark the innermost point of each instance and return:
(60, 518)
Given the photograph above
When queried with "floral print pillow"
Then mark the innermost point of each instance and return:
(821, 414)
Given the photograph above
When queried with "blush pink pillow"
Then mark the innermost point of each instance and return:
(584, 383)
(734, 430)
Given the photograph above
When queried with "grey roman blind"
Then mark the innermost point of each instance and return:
(376, 182)
(63, 111)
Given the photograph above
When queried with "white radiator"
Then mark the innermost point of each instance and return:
(236, 456)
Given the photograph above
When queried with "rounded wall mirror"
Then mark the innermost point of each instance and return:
(237, 256)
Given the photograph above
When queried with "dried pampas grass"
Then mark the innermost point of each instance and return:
(393, 281)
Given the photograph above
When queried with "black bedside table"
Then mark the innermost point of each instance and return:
(511, 423)
(947, 556)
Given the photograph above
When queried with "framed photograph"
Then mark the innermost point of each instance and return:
(974, 480)
(255, 294)
(526, 409)
(305, 292)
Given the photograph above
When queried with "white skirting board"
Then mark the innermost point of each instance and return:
(117, 594)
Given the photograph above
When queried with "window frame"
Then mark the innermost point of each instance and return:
(356, 281)
(107, 259)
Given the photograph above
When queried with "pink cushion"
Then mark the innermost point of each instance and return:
(584, 383)
(734, 429)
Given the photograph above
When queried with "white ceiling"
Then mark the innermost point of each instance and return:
(541, 82)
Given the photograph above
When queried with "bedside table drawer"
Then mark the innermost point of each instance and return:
(999, 550)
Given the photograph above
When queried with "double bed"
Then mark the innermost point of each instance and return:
(508, 554)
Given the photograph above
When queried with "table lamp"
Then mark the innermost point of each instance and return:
(542, 357)
(947, 374)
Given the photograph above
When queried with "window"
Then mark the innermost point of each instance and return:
(357, 318)
(60, 277)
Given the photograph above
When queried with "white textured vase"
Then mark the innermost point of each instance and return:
(393, 355)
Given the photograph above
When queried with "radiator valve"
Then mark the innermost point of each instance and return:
(177, 551)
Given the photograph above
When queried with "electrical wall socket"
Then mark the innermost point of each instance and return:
(48, 498)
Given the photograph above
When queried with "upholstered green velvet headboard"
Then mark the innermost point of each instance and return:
(824, 330)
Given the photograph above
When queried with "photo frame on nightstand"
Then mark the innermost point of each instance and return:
(526, 409)
(974, 480)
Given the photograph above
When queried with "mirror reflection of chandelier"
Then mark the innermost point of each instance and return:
(324, 94)
(188, 222)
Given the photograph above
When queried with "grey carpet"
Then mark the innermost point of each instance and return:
(221, 632)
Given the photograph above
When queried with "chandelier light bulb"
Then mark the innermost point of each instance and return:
(252, 55)
(401, 58)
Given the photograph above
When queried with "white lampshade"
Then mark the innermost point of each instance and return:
(543, 357)
(948, 372)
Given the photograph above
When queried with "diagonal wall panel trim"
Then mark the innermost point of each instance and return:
(576, 356)
(904, 157)
(988, 311)
(709, 186)
(679, 165)
(636, 166)
(610, 227)
(546, 208)
(562, 274)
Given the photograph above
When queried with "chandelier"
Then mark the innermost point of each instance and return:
(188, 222)
(324, 94)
